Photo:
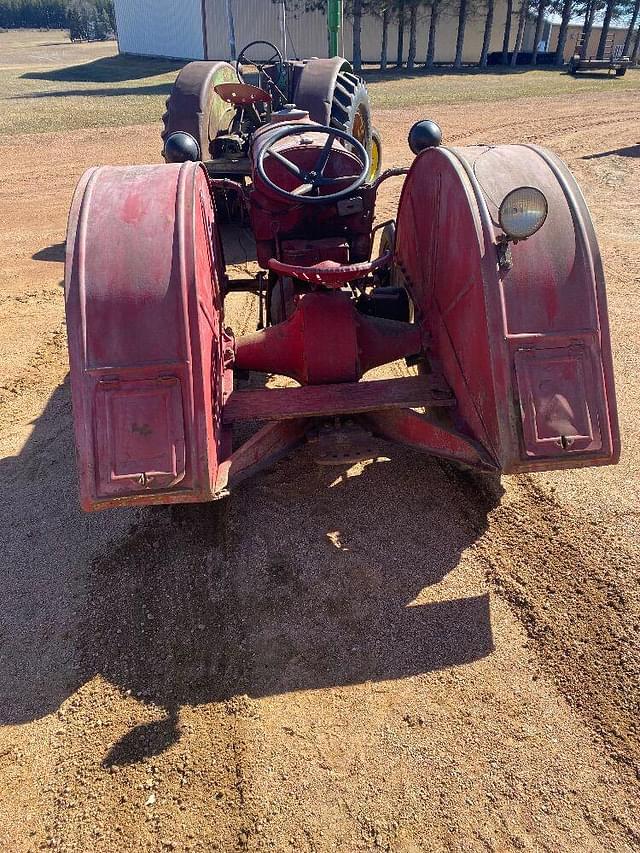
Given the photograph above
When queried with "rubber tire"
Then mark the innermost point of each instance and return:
(351, 100)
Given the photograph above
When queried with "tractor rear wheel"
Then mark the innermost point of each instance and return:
(350, 111)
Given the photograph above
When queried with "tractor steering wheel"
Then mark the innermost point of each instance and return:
(314, 179)
(259, 54)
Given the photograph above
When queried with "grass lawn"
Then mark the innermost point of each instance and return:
(404, 89)
(49, 84)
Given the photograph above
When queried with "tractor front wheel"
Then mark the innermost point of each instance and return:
(351, 111)
(375, 154)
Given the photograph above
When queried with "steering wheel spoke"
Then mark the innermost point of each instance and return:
(323, 158)
(288, 164)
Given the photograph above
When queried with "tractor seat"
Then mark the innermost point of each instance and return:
(242, 94)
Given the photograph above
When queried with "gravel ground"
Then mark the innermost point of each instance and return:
(392, 656)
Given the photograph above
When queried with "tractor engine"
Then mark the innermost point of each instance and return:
(292, 157)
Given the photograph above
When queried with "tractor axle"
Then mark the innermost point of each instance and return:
(327, 340)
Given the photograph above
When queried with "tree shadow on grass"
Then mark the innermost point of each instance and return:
(375, 75)
(55, 252)
(109, 69)
(110, 92)
(307, 578)
(629, 151)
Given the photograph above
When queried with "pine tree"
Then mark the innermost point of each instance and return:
(488, 28)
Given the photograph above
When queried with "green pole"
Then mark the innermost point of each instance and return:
(334, 24)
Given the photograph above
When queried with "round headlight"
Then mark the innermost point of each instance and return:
(523, 212)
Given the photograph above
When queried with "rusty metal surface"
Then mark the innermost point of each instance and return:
(481, 319)
(326, 340)
(421, 433)
(337, 399)
(344, 443)
(330, 273)
(144, 315)
(264, 448)
(242, 94)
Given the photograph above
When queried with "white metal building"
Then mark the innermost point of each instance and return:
(198, 29)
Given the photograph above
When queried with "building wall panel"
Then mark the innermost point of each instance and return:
(307, 32)
(160, 28)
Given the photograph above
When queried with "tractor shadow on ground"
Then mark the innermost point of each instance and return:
(308, 577)
(629, 151)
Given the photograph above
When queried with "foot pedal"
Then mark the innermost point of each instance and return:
(344, 443)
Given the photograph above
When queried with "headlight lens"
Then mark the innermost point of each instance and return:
(523, 212)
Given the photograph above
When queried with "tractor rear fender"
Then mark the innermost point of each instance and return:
(195, 107)
(527, 349)
(314, 82)
(146, 344)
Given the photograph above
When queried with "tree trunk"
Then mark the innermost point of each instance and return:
(507, 33)
(462, 23)
(588, 26)
(522, 19)
(433, 33)
(357, 34)
(567, 9)
(604, 34)
(231, 30)
(542, 8)
(636, 49)
(385, 39)
(413, 26)
(488, 27)
(632, 26)
(400, 52)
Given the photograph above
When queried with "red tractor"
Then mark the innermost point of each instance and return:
(488, 285)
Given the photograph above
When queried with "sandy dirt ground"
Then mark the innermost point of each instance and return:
(394, 656)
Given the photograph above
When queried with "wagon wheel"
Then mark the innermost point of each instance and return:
(350, 111)
(195, 108)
